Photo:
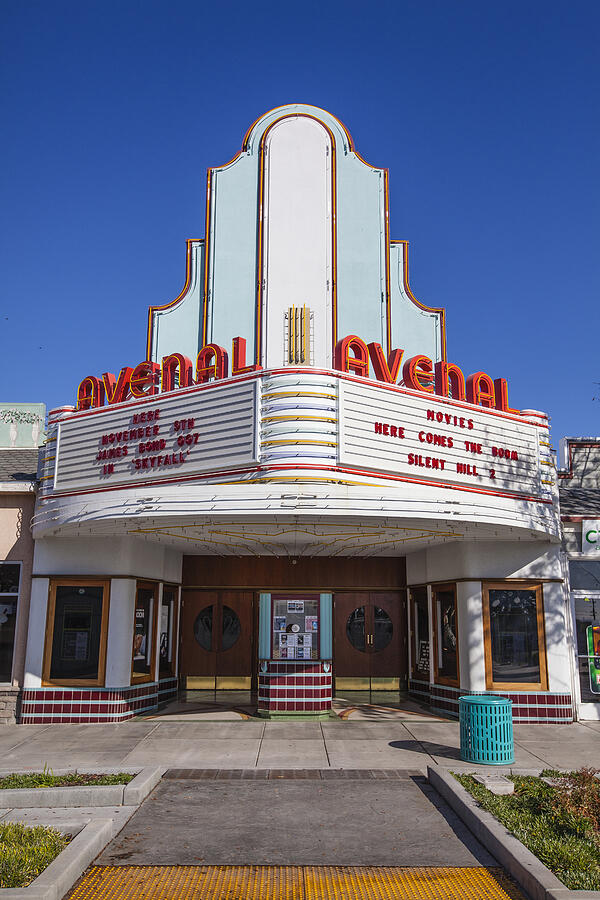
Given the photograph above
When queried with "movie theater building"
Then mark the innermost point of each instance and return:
(295, 492)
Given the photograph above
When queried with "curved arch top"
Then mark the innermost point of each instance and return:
(349, 283)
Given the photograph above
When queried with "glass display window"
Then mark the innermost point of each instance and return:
(10, 578)
(295, 626)
(76, 627)
(445, 634)
(167, 648)
(515, 647)
(144, 632)
(586, 605)
(419, 610)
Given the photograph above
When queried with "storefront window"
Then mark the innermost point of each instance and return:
(587, 622)
(76, 643)
(143, 633)
(295, 626)
(514, 636)
(420, 633)
(10, 574)
(446, 634)
(167, 648)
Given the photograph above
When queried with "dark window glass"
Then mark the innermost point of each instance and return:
(355, 628)
(231, 628)
(421, 632)
(9, 578)
(587, 619)
(167, 612)
(142, 633)
(585, 576)
(203, 628)
(514, 636)
(9, 585)
(8, 620)
(77, 630)
(447, 664)
(383, 629)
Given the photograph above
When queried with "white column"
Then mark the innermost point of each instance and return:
(38, 610)
(471, 653)
(558, 646)
(120, 632)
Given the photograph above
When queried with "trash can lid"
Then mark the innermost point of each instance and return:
(485, 699)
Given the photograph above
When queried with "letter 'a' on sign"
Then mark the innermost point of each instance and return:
(480, 390)
(90, 393)
(211, 362)
(352, 355)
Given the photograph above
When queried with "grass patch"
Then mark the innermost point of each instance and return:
(47, 779)
(560, 824)
(25, 852)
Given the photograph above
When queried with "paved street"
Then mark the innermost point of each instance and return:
(246, 744)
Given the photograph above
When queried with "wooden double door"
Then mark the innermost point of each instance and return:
(218, 645)
(370, 640)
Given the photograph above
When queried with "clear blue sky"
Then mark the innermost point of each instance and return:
(486, 113)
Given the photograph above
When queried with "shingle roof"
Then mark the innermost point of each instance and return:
(579, 501)
(18, 465)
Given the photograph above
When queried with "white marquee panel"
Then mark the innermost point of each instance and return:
(217, 430)
(360, 446)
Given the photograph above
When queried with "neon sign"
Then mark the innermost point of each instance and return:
(352, 355)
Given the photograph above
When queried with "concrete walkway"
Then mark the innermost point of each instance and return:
(395, 821)
(254, 744)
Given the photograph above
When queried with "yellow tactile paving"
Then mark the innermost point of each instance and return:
(293, 883)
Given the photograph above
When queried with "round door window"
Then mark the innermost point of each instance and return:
(355, 628)
(232, 628)
(383, 629)
(203, 628)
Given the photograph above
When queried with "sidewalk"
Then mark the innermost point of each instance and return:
(246, 744)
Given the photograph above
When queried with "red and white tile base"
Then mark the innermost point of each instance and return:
(539, 706)
(294, 687)
(49, 705)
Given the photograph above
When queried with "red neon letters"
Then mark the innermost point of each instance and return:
(351, 355)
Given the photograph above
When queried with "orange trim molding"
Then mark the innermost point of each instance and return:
(153, 309)
(433, 309)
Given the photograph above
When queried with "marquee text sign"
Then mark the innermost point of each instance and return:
(351, 354)
(185, 434)
(423, 439)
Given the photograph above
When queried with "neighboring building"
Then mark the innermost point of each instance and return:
(337, 506)
(579, 487)
(21, 431)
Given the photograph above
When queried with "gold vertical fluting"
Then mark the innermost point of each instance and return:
(298, 335)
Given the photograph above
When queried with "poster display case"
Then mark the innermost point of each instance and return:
(295, 624)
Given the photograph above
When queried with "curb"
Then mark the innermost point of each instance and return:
(60, 875)
(527, 870)
(130, 794)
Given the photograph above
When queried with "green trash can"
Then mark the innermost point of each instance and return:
(486, 729)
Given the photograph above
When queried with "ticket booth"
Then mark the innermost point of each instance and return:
(295, 677)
